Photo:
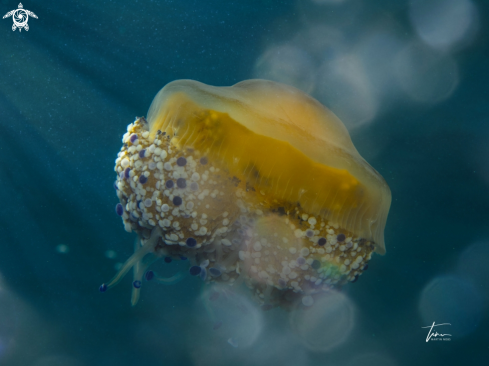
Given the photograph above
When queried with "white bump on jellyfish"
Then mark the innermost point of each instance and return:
(443, 23)
(372, 359)
(326, 324)
(58, 360)
(426, 75)
(286, 64)
(62, 248)
(241, 319)
(343, 86)
(472, 265)
(450, 299)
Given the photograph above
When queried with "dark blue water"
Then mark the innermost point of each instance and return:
(408, 80)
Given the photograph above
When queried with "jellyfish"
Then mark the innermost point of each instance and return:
(255, 184)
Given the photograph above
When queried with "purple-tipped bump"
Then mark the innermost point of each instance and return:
(119, 209)
(195, 270)
(177, 201)
(181, 183)
(137, 284)
(181, 161)
(149, 275)
(103, 288)
(191, 242)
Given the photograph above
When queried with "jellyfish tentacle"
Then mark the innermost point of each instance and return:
(135, 258)
(139, 271)
(170, 280)
(139, 254)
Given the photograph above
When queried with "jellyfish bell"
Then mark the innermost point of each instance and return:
(258, 183)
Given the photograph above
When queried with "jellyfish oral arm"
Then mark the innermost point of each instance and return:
(136, 258)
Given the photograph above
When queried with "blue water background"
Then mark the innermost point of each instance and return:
(69, 87)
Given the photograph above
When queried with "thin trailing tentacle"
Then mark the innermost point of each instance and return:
(139, 254)
(170, 280)
(139, 270)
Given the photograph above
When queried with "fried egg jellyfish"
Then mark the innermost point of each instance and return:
(257, 183)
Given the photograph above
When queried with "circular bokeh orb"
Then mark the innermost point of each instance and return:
(58, 360)
(326, 324)
(276, 347)
(328, 2)
(8, 321)
(235, 318)
(372, 359)
(287, 64)
(472, 265)
(450, 299)
(443, 23)
(426, 75)
(344, 87)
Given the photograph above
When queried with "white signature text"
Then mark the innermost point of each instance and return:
(435, 334)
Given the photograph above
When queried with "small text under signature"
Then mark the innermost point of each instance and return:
(435, 334)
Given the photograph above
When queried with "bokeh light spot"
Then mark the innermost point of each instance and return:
(111, 254)
(241, 319)
(62, 248)
(344, 87)
(443, 23)
(58, 360)
(326, 324)
(473, 266)
(372, 359)
(450, 299)
(426, 75)
(286, 64)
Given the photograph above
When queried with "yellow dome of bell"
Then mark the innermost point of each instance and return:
(283, 143)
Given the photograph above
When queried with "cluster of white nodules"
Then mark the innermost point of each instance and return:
(303, 256)
(161, 186)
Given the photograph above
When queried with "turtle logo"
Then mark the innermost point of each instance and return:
(20, 17)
